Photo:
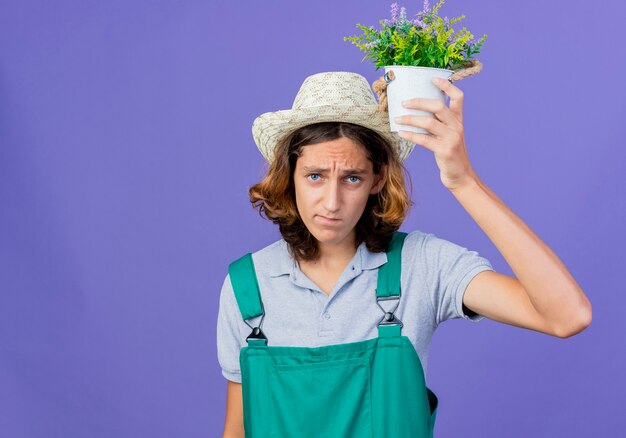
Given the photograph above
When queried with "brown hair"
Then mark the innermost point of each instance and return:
(274, 196)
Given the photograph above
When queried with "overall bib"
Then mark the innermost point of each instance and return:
(372, 388)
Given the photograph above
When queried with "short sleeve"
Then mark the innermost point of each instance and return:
(451, 268)
(229, 340)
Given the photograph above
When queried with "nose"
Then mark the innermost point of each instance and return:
(332, 197)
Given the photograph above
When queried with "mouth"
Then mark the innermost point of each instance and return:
(327, 220)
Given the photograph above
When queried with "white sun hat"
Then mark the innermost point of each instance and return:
(337, 96)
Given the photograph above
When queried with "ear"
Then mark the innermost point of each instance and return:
(379, 180)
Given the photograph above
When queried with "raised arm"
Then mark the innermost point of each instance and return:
(544, 296)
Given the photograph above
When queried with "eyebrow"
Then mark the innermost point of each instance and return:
(356, 170)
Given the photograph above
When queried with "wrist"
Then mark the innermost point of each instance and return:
(470, 181)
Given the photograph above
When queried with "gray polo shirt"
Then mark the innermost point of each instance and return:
(435, 273)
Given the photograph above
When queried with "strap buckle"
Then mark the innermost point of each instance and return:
(256, 333)
(389, 318)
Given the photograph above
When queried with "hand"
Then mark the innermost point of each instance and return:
(447, 138)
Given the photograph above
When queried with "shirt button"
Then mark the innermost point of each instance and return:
(326, 315)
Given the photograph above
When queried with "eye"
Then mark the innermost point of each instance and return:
(356, 178)
(314, 176)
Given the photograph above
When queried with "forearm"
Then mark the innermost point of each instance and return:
(550, 287)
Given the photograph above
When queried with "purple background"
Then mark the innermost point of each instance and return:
(126, 152)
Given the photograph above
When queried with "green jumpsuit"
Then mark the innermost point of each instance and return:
(371, 388)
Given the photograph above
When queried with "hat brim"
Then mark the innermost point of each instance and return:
(269, 128)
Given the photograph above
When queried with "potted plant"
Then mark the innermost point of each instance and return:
(413, 52)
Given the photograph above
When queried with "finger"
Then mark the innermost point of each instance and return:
(435, 106)
(456, 96)
(430, 123)
(426, 140)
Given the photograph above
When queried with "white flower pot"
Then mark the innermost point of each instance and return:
(412, 82)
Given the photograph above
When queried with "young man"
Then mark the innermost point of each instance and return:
(335, 188)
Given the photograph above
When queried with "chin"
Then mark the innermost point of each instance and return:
(328, 235)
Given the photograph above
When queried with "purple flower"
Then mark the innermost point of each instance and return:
(419, 21)
(402, 14)
(394, 15)
(394, 12)
(426, 7)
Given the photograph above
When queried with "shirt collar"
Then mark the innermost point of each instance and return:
(363, 259)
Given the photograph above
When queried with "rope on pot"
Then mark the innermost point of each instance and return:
(470, 68)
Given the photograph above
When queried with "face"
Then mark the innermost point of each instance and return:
(332, 183)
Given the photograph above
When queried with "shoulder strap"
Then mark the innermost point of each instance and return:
(389, 273)
(246, 287)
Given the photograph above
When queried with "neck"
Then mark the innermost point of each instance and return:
(338, 254)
